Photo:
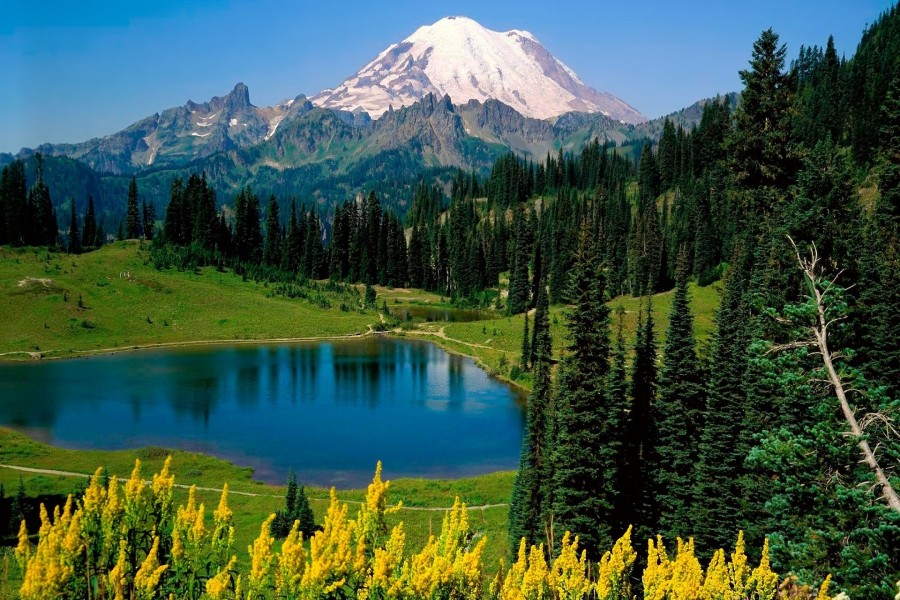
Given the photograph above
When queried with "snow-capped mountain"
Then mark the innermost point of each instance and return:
(458, 57)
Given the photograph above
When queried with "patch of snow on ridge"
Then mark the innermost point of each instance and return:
(200, 134)
(232, 122)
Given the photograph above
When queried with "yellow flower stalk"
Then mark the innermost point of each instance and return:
(763, 580)
(147, 578)
(687, 574)
(262, 562)
(23, 549)
(823, 590)
(217, 586)
(118, 575)
(162, 486)
(657, 574)
(331, 551)
(385, 573)
(568, 576)
(738, 571)
(291, 563)
(717, 583)
(614, 570)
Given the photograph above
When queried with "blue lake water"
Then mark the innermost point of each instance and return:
(327, 410)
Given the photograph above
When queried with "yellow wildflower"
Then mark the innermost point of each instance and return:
(658, 571)
(291, 564)
(217, 585)
(687, 574)
(259, 580)
(615, 568)
(568, 577)
(147, 578)
(117, 577)
(717, 584)
(738, 571)
(763, 580)
(23, 549)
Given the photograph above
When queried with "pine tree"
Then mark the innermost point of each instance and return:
(677, 414)
(174, 213)
(293, 254)
(584, 466)
(541, 328)
(74, 237)
(44, 229)
(14, 208)
(149, 215)
(89, 238)
(133, 217)
(529, 501)
(296, 508)
(638, 497)
(526, 346)
(761, 148)
(519, 286)
(19, 505)
(247, 235)
(724, 442)
(627, 512)
(272, 253)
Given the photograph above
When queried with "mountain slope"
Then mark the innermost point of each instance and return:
(184, 133)
(458, 57)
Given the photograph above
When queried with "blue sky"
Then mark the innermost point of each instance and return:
(75, 70)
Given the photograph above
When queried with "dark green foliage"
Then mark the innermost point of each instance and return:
(519, 285)
(638, 502)
(133, 229)
(149, 216)
(724, 440)
(247, 236)
(74, 245)
(677, 415)
(526, 346)
(43, 229)
(526, 513)
(15, 217)
(296, 509)
(584, 456)
(371, 297)
(825, 513)
(761, 147)
(273, 248)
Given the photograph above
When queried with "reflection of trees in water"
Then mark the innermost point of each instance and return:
(456, 380)
(248, 386)
(303, 362)
(32, 397)
(196, 397)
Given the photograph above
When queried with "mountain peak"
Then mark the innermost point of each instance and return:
(459, 57)
(239, 97)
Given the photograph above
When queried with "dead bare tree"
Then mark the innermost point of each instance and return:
(819, 289)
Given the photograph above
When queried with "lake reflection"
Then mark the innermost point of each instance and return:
(329, 410)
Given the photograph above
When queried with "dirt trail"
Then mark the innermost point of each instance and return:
(443, 335)
(236, 492)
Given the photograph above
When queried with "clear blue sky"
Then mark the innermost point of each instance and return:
(74, 70)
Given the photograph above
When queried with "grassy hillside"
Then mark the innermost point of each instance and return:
(114, 298)
(493, 342)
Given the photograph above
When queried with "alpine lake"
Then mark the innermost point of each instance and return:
(327, 410)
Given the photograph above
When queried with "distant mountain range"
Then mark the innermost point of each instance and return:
(453, 94)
